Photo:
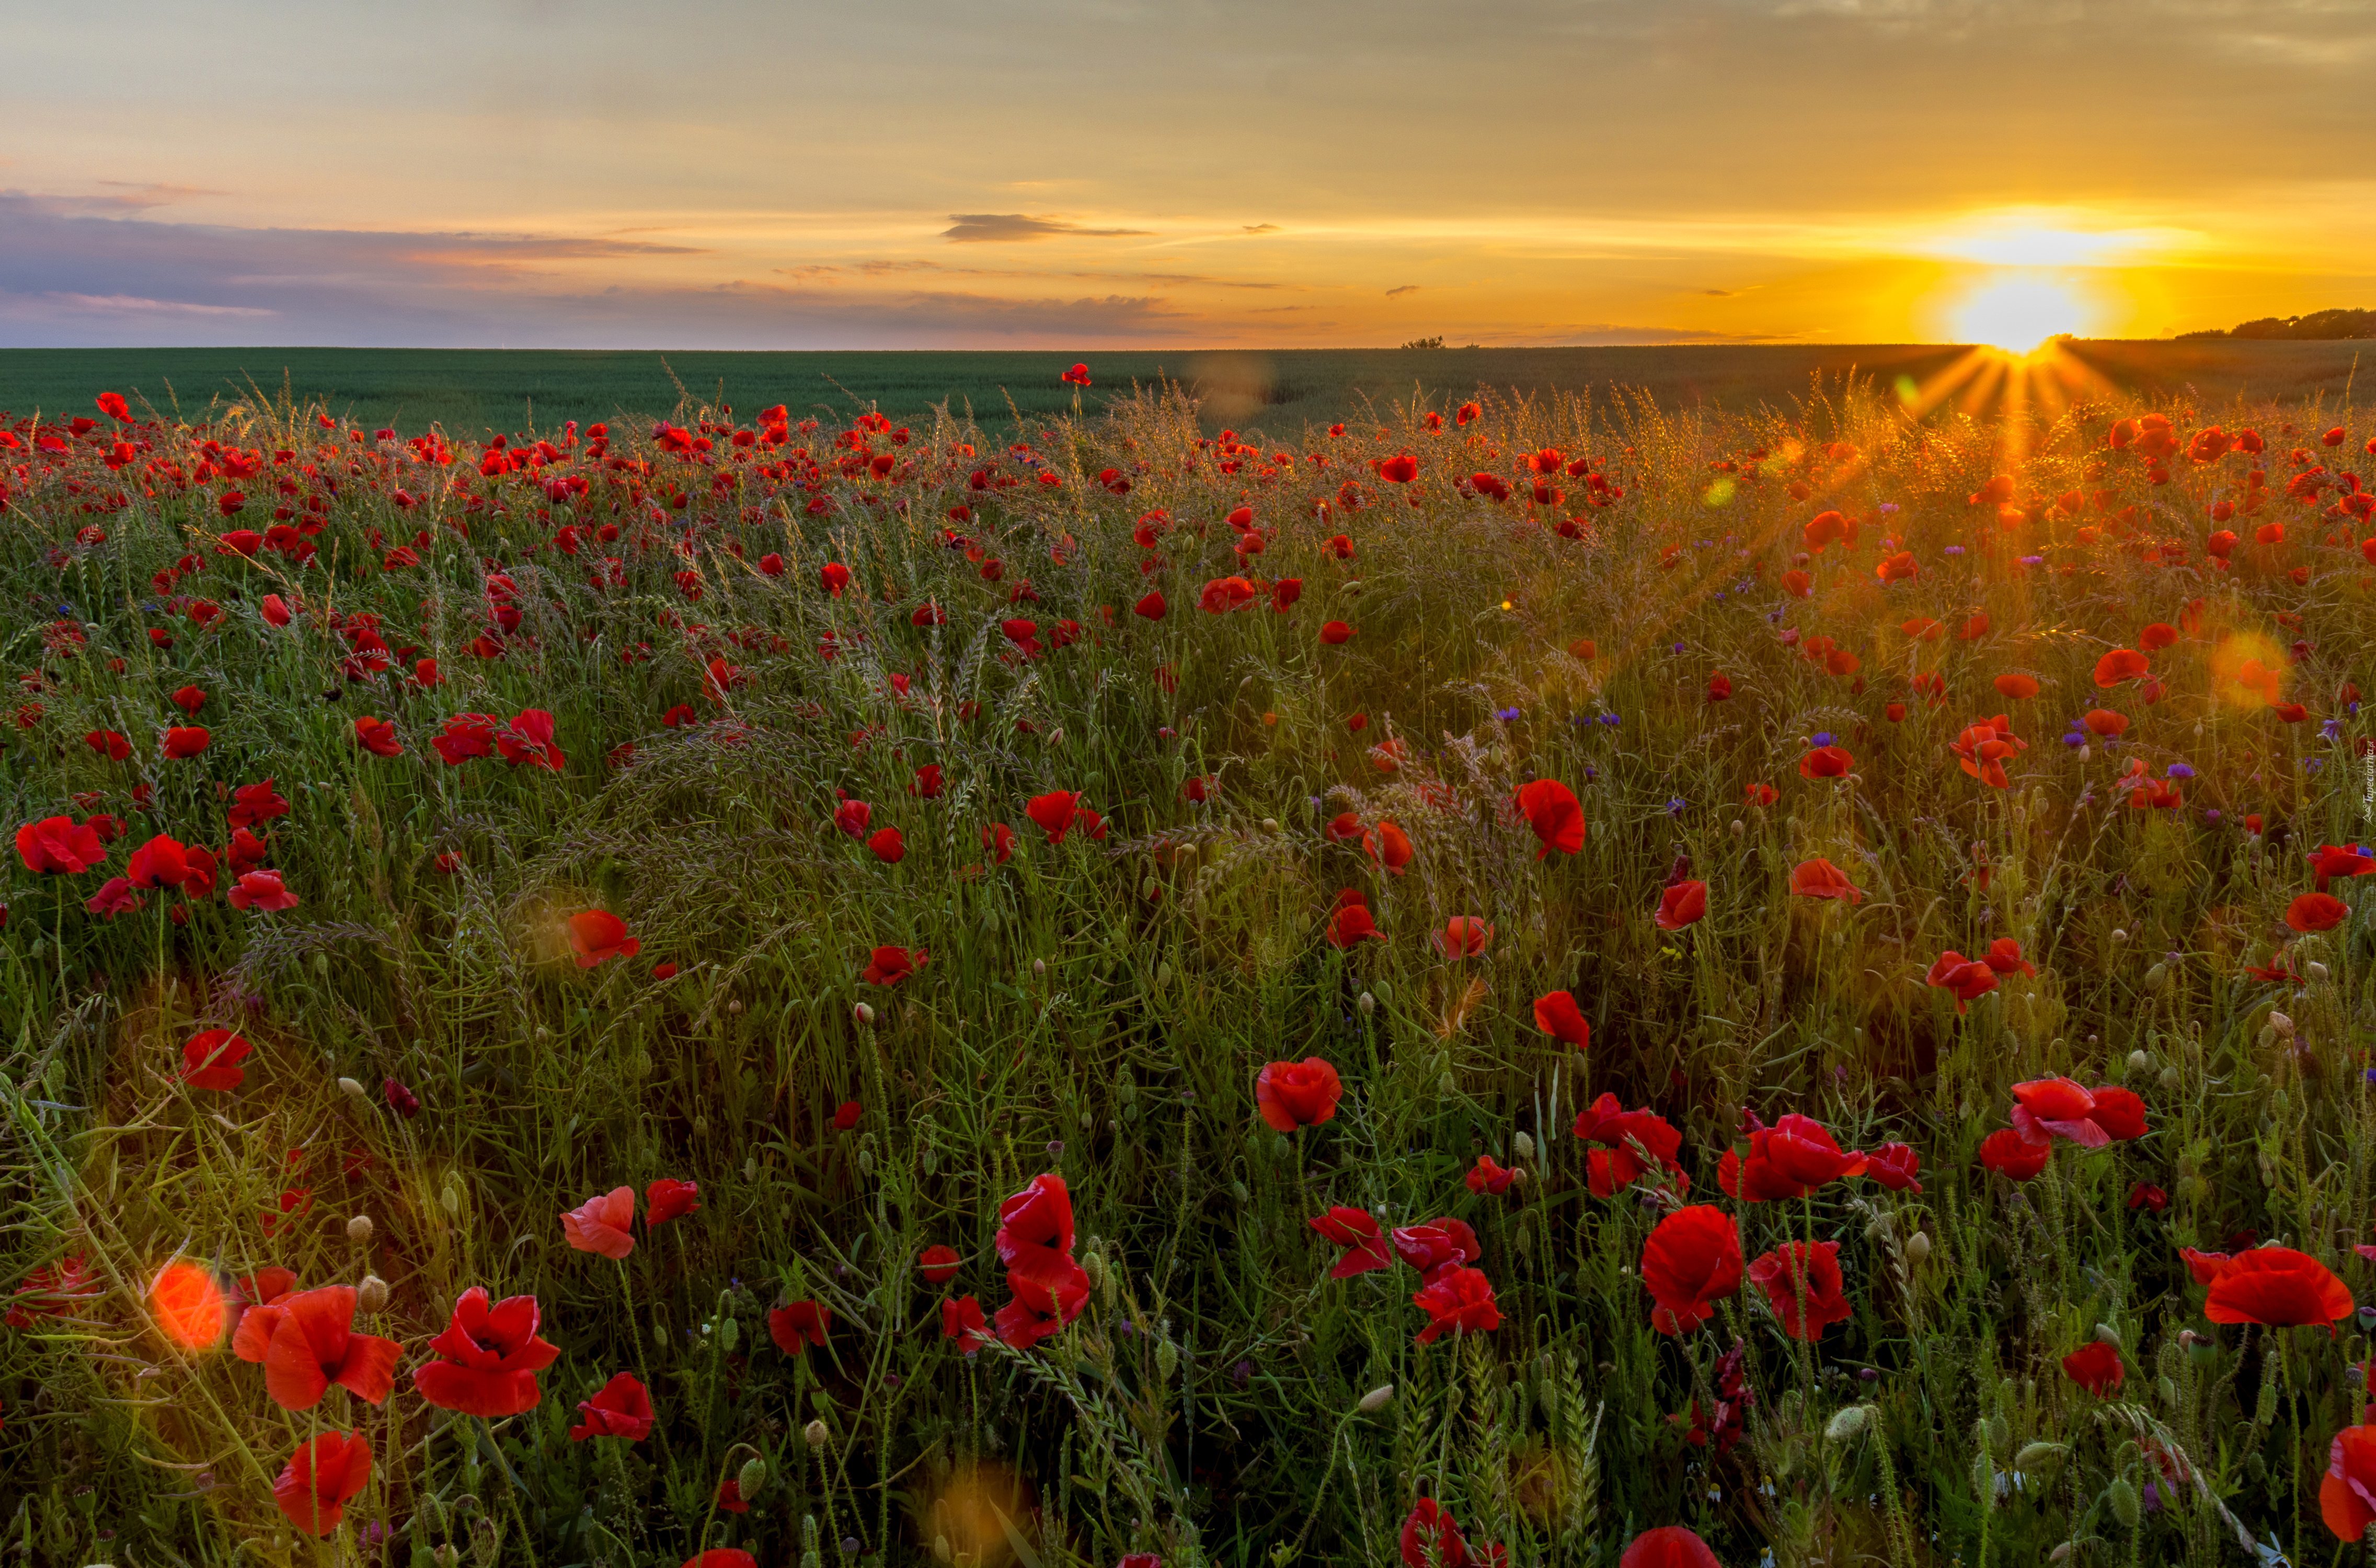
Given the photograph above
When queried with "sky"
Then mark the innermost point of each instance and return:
(1111, 173)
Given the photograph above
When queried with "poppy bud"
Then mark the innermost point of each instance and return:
(1386, 993)
(1848, 1423)
(2033, 1454)
(2315, 969)
(2120, 937)
(729, 1334)
(371, 1296)
(1739, 827)
(1918, 1247)
(2282, 1024)
(752, 1476)
(1163, 974)
(486, 1541)
(815, 1434)
(2157, 978)
(2083, 750)
(1238, 1190)
(2108, 1335)
(2000, 1435)
(1375, 1400)
(1038, 968)
(1366, 1002)
(2139, 1062)
(864, 1015)
(1523, 1145)
(1094, 1265)
(1147, 889)
(2169, 1079)
(452, 1198)
(352, 1089)
(1167, 1360)
(359, 1229)
(447, 1555)
(734, 1008)
(2123, 1497)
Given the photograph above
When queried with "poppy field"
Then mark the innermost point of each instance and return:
(1515, 982)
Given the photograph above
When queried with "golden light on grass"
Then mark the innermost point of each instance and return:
(188, 1306)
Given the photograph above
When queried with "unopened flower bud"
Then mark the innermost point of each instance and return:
(2139, 1062)
(815, 1434)
(353, 1090)
(1038, 968)
(1375, 1400)
(1366, 1004)
(2315, 969)
(371, 1296)
(1918, 1247)
(1270, 825)
(2118, 935)
(1848, 1423)
(1739, 827)
(2033, 1454)
(1523, 1145)
(864, 1015)
(751, 1478)
(359, 1229)
(2108, 1335)
(2282, 1024)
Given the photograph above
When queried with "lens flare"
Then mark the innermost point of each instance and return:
(2019, 313)
(188, 1306)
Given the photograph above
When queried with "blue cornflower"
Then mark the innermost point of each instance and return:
(2179, 770)
(1823, 738)
(1610, 720)
(1675, 807)
(2332, 729)
(2033, 560)
(1953, 550)
(1506, 715)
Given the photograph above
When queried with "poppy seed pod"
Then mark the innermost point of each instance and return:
(371, 1296)
(359, 1229)
(1375, 1400)
(815, 1434)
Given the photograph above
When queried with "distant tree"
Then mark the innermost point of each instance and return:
(1424, 343)
(2323, 326)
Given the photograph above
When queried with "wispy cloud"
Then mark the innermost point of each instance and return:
(983, 228)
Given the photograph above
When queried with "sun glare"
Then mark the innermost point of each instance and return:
(2017, 315)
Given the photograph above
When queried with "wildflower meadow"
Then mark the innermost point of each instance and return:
(1518, 981)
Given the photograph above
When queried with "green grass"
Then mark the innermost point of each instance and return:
(1101, 1009)
(471, 392)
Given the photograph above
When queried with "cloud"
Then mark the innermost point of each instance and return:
(1731, 293)
(1396, 293)
(978, 228)
(133, 304)
(1259, 229)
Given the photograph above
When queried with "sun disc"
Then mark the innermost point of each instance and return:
(2018, 315)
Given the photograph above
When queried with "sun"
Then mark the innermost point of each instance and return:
(2018, 314)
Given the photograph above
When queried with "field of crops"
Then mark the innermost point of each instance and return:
(474, 393)
(1527, 984)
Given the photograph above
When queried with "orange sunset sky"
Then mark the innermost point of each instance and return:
(1097, 174)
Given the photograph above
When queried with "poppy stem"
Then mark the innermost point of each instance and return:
(636, 1333)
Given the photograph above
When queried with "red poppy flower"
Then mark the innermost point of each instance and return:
(189, 699)
(1691, 1262)
(2015, 687)
(1078, 377)
(2014, 1157)
(887, 845)
(622, 1408)
(1400, 470)
(1431, 1538)
(2317, 911)
(730, 1498)
(1334, 633)
(2121, 664)
(1818, 878)
(1797, 1270)
(1040, 1309)
(847, 1115)
(160, 862)
(1463, 936)
(835, 577)
(1389, 846)
(1055, 813)
(597, 934)
(1981, 749)
(1557, 1015)
(852, 817)
(668, 1199)
(1458, 1300)
(1285, 592)
(1792, 1159)
(184, 741)
(999, 839)
(938, 1264)
(1894, 1166)
(527, 740)
(2004, 956)
(2346, 1494)
(1151, 607)
(1826, 762)
(1965, 978)
(889, 965)
(211, 1060)
(1669, 1546)
(961, 1319)
(1488, 1177)
(312, 1346)
(2333, 859)
(488, 1357)
(797, 1325)
(1719, 687)
(1632, 1139)
(1357, 1231)
(2095, 1367)
(258, 890)
(1439, 1244)
(1350, 922)
(1551, 810)
(2278, 1287)
(1298, 1093)
(1682, 904)
(321, 1479)
(1035, 1230)
(109, 743)
(2145, 1195)
(604, 1224)
(2060, 1108)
